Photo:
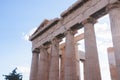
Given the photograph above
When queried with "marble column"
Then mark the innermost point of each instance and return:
(43, 69)
(91, 65)
(112, 64)
(54, 64)
(34, 64)
(50, 55)
(62, 63)
(114, 14)
(70, 57)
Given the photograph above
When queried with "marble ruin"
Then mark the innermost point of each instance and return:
(54, 61)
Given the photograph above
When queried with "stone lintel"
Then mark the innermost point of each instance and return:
(99, 13)
(76, 39)
(78, 16)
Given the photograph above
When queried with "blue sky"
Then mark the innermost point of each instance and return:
(18, 18)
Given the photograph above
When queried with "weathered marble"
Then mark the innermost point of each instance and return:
(70, 57)
(54, 63)
(79, 14)
(62, 64)
(114, 10)
(72, 19)
(34, 65)
(43, 68)
(91, 66)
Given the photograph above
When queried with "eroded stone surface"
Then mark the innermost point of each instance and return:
(75, 18)
(92, 68)
(115, 30)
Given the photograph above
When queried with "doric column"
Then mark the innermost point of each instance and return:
(43, 69)
(91, 65)
(70, 57)
(34, 64)
(54, 64)
(114, 13)
(112, 64)
(50, 55)
(62, 63)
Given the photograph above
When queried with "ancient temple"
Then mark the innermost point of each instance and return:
(54, 61)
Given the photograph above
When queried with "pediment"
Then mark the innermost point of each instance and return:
(43, 24)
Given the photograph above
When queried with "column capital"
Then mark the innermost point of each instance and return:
(56, 39)
(70, 31)
(112, 6)
(36, 50)
(89, 20)
(44, 46)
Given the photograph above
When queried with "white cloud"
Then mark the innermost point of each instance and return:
(104, 40)
(103, 32)
(27, 35)
(24, 69)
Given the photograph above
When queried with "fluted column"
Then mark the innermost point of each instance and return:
(34, 65)
(43, 64)
(70, 57)
(91, 65)
(50, 55)
(114, 13)
(54, 64)
(112, 64)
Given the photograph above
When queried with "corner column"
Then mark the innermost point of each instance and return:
(114, 14)
(34, 64)
(70, 57)
(54, 63)
(43, 64)
(91, 65)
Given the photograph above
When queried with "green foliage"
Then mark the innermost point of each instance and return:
(13, 76)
